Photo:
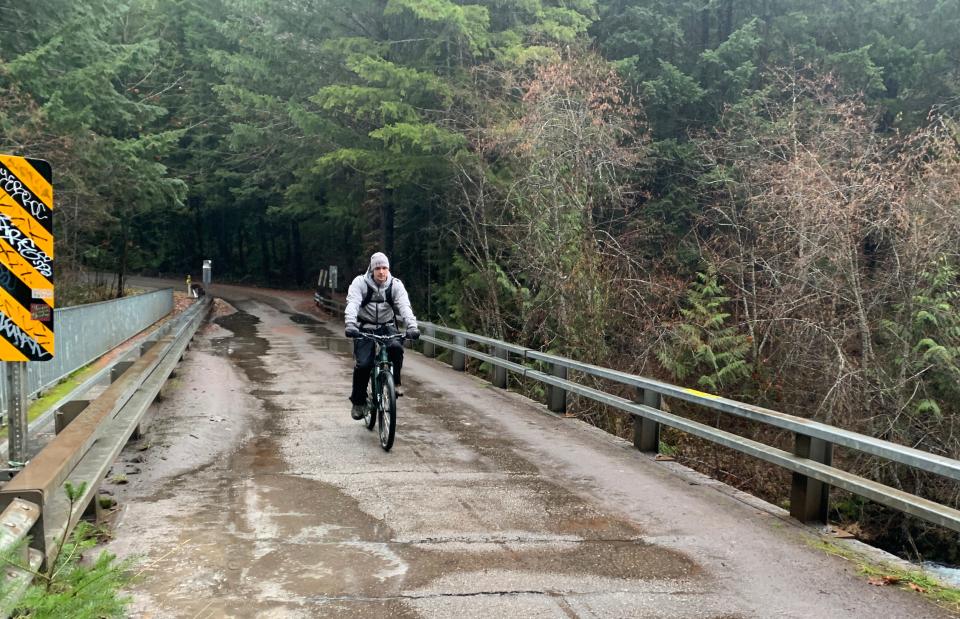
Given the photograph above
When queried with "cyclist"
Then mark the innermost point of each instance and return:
(375, 301)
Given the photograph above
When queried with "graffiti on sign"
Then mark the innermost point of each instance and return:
(26, 259)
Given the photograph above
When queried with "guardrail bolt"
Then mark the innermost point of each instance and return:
(810, 498)
(646, 432)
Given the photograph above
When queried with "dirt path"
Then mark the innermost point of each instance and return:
(255, 495)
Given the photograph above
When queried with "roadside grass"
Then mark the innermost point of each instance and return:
(885, 574)
(52, 396)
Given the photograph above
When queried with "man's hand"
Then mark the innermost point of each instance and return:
(412, 333)
(352, 331)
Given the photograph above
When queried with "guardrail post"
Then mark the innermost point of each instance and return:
(810, 498)
(429, 348)
(556, 396)
(646, 432)
(118, 369)
(459, 359)
(499, 373)
(64, 415)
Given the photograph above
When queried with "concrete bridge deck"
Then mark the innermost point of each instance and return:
(255, 495)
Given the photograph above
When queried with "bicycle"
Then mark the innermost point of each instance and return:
(382, 396)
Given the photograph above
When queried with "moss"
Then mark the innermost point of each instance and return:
(886, 574)
(54, 395)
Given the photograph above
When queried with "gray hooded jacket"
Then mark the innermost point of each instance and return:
(377, 311)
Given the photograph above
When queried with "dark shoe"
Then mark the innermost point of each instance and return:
(358, 411)
(399, 391)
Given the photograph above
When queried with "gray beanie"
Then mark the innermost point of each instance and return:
(379, 259)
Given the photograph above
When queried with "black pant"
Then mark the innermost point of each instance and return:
(364, 351)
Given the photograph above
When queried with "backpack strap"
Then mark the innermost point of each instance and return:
(388, 294)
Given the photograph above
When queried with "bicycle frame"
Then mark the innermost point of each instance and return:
(381, 389)
(381, 364)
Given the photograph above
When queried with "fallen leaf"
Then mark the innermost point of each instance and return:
(917, 588)
(883, 581)
(663, 458)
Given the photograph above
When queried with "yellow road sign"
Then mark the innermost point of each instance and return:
(26, 259)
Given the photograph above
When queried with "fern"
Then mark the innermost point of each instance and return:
(704, 345)
(931, 327)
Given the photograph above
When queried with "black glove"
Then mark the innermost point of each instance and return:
(352, 331)
(412, 333)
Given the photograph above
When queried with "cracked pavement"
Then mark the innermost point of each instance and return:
(258, 496)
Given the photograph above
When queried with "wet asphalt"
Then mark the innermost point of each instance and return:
(254, 494)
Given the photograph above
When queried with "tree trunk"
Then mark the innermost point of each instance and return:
(386, 224)
(122, 267)
(241, 251)
(726, 20)
(297, 252)
(200, 240)
(264, 250)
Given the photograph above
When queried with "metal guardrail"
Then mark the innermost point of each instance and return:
(15, 521)
(810, 462)
(330, 305)
(85, 332)
(86, 446)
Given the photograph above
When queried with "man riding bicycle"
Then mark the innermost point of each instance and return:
(374, 302)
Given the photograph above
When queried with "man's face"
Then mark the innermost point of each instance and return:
(380, 274)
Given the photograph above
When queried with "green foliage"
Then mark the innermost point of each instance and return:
(78, 588)
(924, 343)
(704, 346)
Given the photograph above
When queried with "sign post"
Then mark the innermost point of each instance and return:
(17, 412)
(26, 283)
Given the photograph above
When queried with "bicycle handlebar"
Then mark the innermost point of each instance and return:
(381, 338)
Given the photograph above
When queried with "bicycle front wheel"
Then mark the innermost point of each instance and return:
(370, 413)
(387, 413)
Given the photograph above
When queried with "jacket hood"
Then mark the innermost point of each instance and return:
(372, 282)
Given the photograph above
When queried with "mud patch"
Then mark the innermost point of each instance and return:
(618, 559)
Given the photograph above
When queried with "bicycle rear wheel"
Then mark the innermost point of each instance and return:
(387, 411)
(370, 413)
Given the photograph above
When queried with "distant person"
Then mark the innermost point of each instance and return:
(375, 301)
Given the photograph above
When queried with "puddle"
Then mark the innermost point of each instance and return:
(303, 319)
(337, 345)
(251, 536)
